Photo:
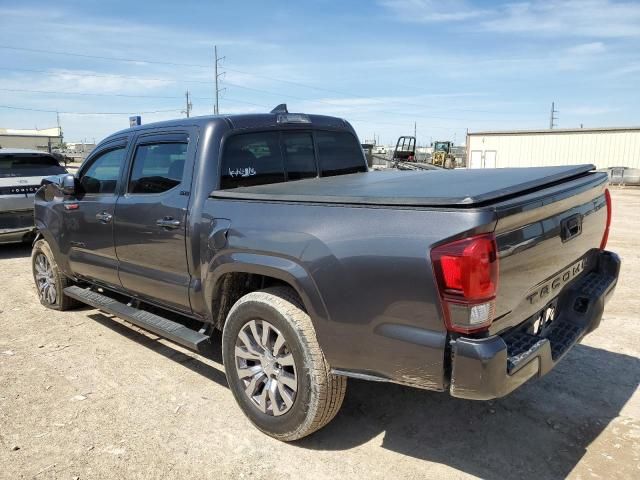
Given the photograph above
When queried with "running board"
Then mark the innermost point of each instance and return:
(161, 326)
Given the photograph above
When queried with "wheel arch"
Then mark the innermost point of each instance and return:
(235, 274)
(42, 233)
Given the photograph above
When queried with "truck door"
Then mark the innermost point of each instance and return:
(151, 219)
(87, 221)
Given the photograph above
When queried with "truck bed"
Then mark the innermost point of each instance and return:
(437, 188)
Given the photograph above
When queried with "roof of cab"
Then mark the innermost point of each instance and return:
(239, 121)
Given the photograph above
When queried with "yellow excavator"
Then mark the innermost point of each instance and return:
(442, 155)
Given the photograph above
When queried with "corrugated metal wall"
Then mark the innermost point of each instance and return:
(30, 142)
(602, 148)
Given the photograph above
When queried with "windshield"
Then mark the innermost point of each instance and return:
(440, 147)
(29, 165)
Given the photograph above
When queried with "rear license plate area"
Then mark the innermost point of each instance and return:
(540, 323)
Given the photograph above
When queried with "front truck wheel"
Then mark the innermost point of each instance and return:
(275, 367)
(50, 281)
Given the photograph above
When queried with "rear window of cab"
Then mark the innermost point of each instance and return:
(260, 158)
(29, 165)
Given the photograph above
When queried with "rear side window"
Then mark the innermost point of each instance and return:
(29, 165)
(339, 154)
(157, 167)
(252, 159)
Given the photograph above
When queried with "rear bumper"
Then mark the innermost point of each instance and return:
(492, 367)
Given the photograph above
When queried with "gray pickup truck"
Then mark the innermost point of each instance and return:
(271, 229)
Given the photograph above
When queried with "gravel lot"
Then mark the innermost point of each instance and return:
(83, 395)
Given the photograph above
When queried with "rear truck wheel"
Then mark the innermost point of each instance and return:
(275, 367)
(50, 282)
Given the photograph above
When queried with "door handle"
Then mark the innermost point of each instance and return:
(104, 217)
(168, 222)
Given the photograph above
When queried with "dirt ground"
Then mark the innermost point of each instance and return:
(84, 396)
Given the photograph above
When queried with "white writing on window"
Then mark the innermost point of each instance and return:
(242, 172)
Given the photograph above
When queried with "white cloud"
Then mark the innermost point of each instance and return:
(82, 81)
(589, 110)
(430, 11)
(589, 18)
(586, 49)
(628, 69)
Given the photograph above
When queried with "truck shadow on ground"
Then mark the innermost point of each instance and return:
(540, 431)
(15, 250)
(190, 361)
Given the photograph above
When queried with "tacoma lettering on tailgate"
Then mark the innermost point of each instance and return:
(557, 282)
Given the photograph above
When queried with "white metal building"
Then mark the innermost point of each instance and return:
(603, 147)
(43, 139)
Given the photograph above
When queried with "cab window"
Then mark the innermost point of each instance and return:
(339, 154)
(101, 177)
(157, 167)
(300, 161)
(270, 157)
(252, 159)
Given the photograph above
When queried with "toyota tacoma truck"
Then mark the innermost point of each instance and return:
(270, 229)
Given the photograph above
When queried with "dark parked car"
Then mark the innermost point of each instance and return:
(21, 172)
(270, 228)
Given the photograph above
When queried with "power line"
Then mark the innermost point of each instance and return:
(244, 72)
(267, 92)
(99, 57)
(191, 97)
(336, 104)
(111, 75)
(87, 94)
(347, 94)
(157, 62)
(11, 107)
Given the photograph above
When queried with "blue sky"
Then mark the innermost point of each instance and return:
(382, 65)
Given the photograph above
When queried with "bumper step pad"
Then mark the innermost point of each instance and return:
(151, 322)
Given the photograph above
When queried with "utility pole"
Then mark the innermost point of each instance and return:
(59, 128)
(414, 130)
(216, 107)
(189, 105)
(553, 117)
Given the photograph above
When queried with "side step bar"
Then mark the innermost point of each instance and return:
(161, 326)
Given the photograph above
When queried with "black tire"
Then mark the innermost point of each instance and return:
(58, 300)
(319, 394)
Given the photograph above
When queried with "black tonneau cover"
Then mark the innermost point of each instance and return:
(440, 188)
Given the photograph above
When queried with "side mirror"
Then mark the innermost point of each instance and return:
(68, 184)
(65, 183)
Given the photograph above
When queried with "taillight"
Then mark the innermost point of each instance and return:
(467, 275)
(605, 235)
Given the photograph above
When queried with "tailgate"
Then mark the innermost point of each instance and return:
(546, 240)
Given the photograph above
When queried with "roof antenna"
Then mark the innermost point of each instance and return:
(282, 108)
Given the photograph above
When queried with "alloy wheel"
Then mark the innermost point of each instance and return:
(45, 280)
(266, 367)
